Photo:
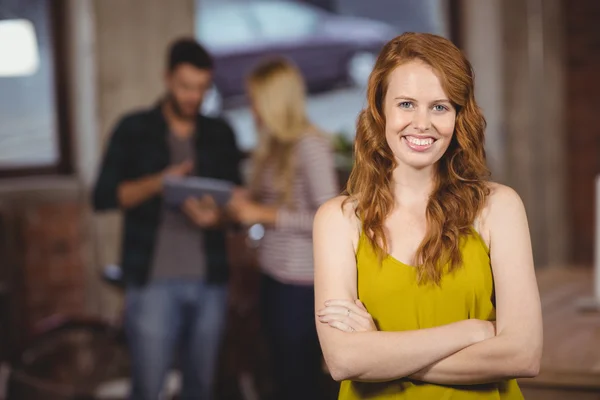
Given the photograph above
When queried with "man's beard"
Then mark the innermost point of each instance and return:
(178, 110)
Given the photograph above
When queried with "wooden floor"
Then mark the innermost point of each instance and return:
(571, 360)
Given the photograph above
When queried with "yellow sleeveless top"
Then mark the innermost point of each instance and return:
(392, 296)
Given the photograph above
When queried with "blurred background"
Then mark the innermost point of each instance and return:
(70, 68)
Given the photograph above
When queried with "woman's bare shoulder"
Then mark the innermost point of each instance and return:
(500, 203)
(500, 196)
(338, 215)
(342, 207)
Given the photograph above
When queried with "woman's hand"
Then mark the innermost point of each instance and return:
(347, 316)
(249, 212)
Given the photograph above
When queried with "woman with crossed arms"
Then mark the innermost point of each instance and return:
(424, 279)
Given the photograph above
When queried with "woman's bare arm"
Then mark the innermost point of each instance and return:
(372, 356)
(516, 349)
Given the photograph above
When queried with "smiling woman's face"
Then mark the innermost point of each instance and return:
(419, 116)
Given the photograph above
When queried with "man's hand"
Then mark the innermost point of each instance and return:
(179, 170)
(203, 212)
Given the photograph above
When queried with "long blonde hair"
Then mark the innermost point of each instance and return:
(278, 96)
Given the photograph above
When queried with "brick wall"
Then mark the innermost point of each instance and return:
(582, 41)
(52, 240)
(44, 255)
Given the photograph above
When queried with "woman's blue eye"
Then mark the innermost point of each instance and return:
(439, 107)
(405, 104)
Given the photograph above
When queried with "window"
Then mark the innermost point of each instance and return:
(30, 134)
(19, 48)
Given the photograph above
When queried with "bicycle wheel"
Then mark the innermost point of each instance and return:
(77, 360)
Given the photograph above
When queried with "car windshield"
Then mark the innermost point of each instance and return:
(225, 25)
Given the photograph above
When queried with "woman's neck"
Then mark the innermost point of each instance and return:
(413, 186)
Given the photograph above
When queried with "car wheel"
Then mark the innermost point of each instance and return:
(212, 104)
(359, 68)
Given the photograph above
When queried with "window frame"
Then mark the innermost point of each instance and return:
(59, 62)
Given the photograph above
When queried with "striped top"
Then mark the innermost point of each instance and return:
(286, 252)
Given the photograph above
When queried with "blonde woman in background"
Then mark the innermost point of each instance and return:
(293, 174)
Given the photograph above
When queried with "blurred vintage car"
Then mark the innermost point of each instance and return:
(329, 49)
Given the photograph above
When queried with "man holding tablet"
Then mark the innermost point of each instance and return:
(173, 251)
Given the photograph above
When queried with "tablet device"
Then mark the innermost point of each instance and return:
(178, 189)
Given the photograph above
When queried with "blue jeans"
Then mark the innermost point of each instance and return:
(170, 315)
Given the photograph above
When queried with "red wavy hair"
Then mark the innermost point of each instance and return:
(460, 189)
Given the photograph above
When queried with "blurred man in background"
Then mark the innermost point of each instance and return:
(174, 260)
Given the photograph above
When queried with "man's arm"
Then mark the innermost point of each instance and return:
(516, 349)
(372, 356)
(112, 169)
(133, 193)
(112, 189)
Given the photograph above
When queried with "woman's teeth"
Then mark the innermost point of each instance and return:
(419, 142)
